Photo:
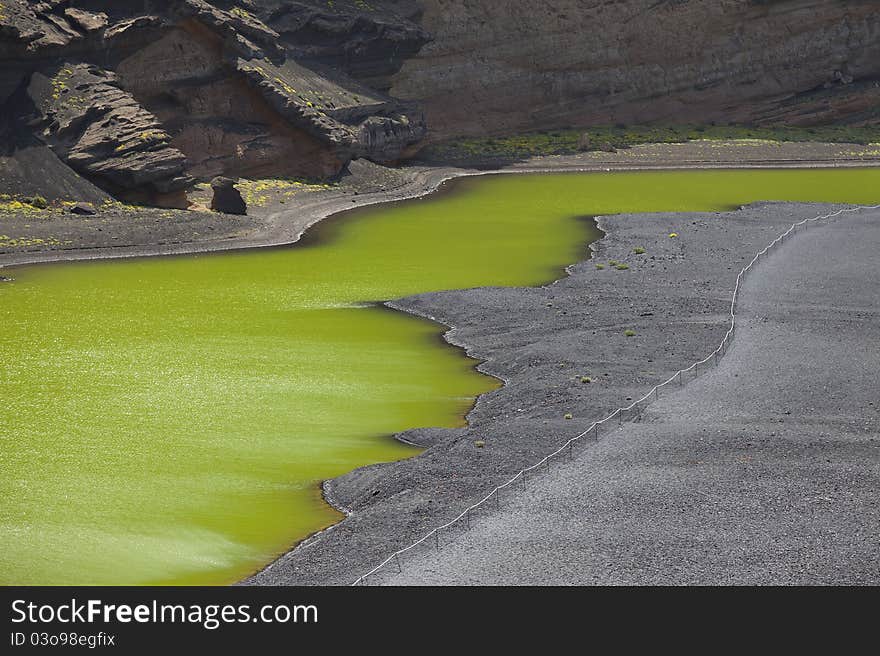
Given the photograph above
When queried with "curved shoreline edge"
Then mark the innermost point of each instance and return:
(417, 182)
(433, 180)
(346, 492)
(634, 409)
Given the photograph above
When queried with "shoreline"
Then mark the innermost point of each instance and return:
(421, 182)
(588, 519)
(388, 505)
(280, 226)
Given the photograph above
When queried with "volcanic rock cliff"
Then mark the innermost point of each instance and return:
(496, 67)
(143, 97)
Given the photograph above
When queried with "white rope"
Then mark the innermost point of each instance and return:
(617, 413)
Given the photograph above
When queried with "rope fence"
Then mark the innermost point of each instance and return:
(629, 413)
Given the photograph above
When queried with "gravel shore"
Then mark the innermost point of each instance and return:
(542, 342)
(763, 471)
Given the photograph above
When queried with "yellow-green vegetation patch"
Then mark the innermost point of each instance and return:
(111, 204)
(257, 193)
(29, 205)
(241, 13)
(872, 150)
(59, 82)
(598, 138)
(31, 242)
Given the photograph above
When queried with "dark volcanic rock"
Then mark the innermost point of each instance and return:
(227, 198)
(368, 41)
(85, 209)
(86, 21)
(102, 132)
(500, 67)
(143, 97)
(298, 88)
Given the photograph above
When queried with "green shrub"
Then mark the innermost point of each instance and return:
(600, 267)
(586, 379)
(39, 202)
(622, 267)
(638, 250)
(630, 332)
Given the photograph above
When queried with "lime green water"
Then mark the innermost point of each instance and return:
(169, 420)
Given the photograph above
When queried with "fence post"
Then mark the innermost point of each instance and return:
(680, 378)
(397, 560)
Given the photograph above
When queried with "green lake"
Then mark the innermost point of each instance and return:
(169, 420)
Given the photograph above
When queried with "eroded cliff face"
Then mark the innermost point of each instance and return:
(497, 67)
(144, 97)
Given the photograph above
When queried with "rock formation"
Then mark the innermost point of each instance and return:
(144, 97)
(501, 67)
(226, 197)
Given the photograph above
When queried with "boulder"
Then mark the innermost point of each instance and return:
(227, 198)
(86, 20)
(86, 209)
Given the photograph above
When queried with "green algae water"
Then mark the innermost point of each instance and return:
(169, 420)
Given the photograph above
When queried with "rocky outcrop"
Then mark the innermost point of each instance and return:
(103, 133)
(368, 40)
(143, 97)
(169, 91)
(500, 67)
(226, 198)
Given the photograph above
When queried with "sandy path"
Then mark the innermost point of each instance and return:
(763, 471)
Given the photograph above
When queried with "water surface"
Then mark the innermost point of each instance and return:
(169, 420)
